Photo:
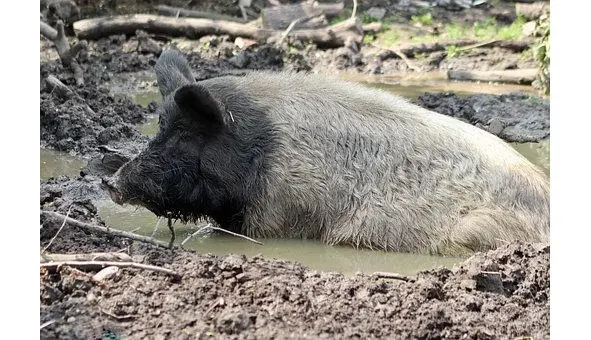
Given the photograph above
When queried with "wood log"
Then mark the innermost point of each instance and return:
(60, 89)
(187, 13)
(531, 11)
(523, 76)
(329, 37)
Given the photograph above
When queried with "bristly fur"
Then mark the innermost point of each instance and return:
(308, 156)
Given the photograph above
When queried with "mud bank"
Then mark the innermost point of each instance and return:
(514, 117)
(498, 294)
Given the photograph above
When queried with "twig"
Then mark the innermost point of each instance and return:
(482, 44)
(156, 227)
(86, 257)
(354, 9)
(58, 231)
(393, 276)
(235, 234)
(288, 29)
(119, 317)
(103, 264)
(45, 324)
(195, 233)
(402, 56)
(106, 230)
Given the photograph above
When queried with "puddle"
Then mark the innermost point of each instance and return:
(313, 254)
(56, 163)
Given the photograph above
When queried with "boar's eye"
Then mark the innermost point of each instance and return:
(198, 104)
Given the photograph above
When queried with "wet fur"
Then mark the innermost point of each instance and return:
(313, 157)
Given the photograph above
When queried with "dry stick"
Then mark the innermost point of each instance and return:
(402, 56)
(122, 257)
(195, 233)
(67, 54)
(45, 324)
(394, 276)
(235, 234)
(482, 44)
(58, 231)
(119, 317)
(106, 230)
(104, 264)
(354, 9)
(288, 29)
(156, 227)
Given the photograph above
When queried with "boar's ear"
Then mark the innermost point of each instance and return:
(197, 102)
(172, 72)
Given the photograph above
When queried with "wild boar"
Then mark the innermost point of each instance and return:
(290, 155)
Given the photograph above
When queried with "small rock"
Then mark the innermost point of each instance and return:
(242, 43)
(495, 127)
(376, 12)
(105, 274)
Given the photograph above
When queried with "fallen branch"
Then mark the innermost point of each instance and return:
(187, 13)
(393, 276)
(331, 36)
(67, 54)
(513, 45)
(105, 230)
(90, 265)
(119, 257)
(522, 76)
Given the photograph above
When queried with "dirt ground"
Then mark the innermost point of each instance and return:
(498, 294)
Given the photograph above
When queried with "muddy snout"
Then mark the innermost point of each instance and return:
(110, 184)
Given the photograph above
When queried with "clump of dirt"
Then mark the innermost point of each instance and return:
(514, 117)
(501, 293)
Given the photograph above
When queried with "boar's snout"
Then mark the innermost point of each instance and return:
(110, 184)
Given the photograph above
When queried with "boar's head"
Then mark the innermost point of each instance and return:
(200, 162)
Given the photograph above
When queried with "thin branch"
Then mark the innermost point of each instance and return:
(402, 56)
(104, 264)
(58, 231)
(354, 9)
(393, 276)
(106, 230)
(45, 324)
(195, 233)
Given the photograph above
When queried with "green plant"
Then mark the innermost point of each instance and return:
(388, 38)
(512, 31)
(368, 38)
(453, 51)
(487, 29)
(455, 31)
(422, 20)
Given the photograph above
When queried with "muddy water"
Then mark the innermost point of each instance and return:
(308, 252)
(55, 163)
